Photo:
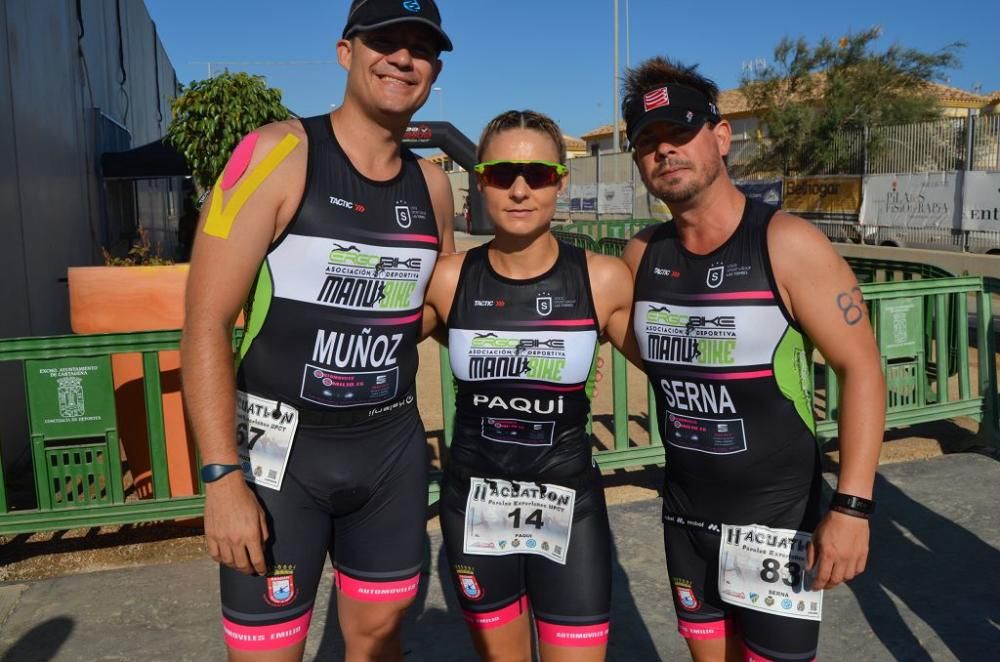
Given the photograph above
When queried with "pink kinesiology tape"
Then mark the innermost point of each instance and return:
(239, 161)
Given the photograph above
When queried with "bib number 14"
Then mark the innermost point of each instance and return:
(534, 519)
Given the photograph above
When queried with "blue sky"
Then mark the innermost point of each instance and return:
(556, 56)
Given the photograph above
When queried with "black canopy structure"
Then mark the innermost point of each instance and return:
(159, 159)
(454, 143)
(149, 161)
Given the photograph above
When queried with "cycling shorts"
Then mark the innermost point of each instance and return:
(693, 566)
(571, 603)
(357, 494)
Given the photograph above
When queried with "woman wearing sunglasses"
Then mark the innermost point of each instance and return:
(522, 509)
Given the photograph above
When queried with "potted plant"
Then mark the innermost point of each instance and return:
(143, 292)
(138, 292)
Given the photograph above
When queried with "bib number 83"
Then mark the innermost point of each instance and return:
(771, 573)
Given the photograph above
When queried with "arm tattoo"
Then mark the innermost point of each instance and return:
(850, 304)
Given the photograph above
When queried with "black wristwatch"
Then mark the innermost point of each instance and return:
(213, 472)
(852, 505)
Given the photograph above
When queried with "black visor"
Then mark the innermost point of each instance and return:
(677, 104)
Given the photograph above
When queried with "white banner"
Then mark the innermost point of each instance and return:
(583, 197)
(981, 202)
(916, 200)
(614, 198)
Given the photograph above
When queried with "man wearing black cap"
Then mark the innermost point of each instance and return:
(329, 230)
(730, 299)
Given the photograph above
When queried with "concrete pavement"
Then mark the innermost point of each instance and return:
(932, 591)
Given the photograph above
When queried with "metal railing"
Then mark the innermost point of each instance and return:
(78, 475)
(919, 147)
(922, 323)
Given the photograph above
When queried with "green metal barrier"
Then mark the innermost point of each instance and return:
(874, 270)
(612, 246)
(74, 436)
(917, 370)
(576, 239)
(74, 433)
(917, 382)
(598, 230)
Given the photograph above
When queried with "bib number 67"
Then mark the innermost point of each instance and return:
(248, 434)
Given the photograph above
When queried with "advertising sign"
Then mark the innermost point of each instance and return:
(583, 197)
(823, 195)
(914, 200)
(766, 191)
(614, 198)
(981, 202)
(71, 397)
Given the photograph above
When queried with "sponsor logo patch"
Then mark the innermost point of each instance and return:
(280, 585)
(685, 594)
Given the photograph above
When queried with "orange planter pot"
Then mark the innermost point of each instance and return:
(123, 300)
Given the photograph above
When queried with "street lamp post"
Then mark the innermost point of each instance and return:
(615, 144)
(440, 92)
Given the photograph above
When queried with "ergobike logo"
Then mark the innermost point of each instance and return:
(519, 345)
(347, 204)
(351, 255)
(664, 317)
(359, 279)
(492, 356)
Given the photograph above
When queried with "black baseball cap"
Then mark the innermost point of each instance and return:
(366, 15)
(678, 104)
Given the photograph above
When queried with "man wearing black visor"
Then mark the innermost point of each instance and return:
(313, 448)
(730, 299)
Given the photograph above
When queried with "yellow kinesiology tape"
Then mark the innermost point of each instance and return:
(221, 217)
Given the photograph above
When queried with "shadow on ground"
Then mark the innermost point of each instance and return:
(42, 642)
(938, 570)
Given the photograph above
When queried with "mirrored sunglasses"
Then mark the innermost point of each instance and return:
(537, 174)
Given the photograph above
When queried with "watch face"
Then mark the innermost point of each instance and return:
(854, 503)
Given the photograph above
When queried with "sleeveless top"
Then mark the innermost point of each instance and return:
(522, 352)
(731, 371)
(335, 313)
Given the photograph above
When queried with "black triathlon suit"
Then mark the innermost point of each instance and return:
(522, 352)
(731, 371)
(335, 316)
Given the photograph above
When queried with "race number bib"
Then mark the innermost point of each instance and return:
(264, 433)
(503, 517)
(765, 569)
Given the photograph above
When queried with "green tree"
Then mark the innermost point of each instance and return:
(815, 102)
(211, 116)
